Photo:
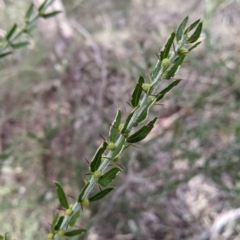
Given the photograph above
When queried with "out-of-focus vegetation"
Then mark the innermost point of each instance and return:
(57, 95)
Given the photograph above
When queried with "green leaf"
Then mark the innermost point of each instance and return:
(29, 11)
(29, 30)
(74, 232)
(49, 15)
(113, 132)
(5, 54)
(137, 92)
(11, 32)
(194, 37)
(49, 3)
(142, 132)
(155, 75)
(61, 195)
(192, 26)
(59, 222)
(96, 161)
(194, 46)
(166, 49)
(42, 6)
(54, 222)
(100, 195)
(129, 117)
(160, 95)
(1, 237)
(88, 177)
(109, 176)
(144, 113)
(74, 218)
(118, 149)
(19, 45)
(175, 67)
(82, 192)
(181, 28)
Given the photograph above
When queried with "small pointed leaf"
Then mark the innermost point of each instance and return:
(61, 195)
(127, 121)
(29, 11)
(172, 71)
(5, 54)
(88, 177)
(11, 32)
(96, 161)
(59, 222)
(48, 4)
(156, 72)
(166, 49)
(145, 112)
(82, 192)
(19, 45)
(118, 149)
(30, 29)
(54, 222)
(137, 92)
(108, 177)
(113, 132)
(142, 132)
(74, 232)
(49, 15)
(194, 37)
(192, 26)
(167, 89)
(181, 28)
(42, 6)
(100, 195)
(74, 218)
(194, 46)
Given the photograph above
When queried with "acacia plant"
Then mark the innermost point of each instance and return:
(145, 94)
(123, 132)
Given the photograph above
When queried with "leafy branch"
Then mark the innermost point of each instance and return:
(145, 94)
(10, 41)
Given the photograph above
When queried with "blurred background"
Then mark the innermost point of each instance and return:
(60, 92)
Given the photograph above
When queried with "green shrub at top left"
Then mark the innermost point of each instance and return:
(13, 37)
